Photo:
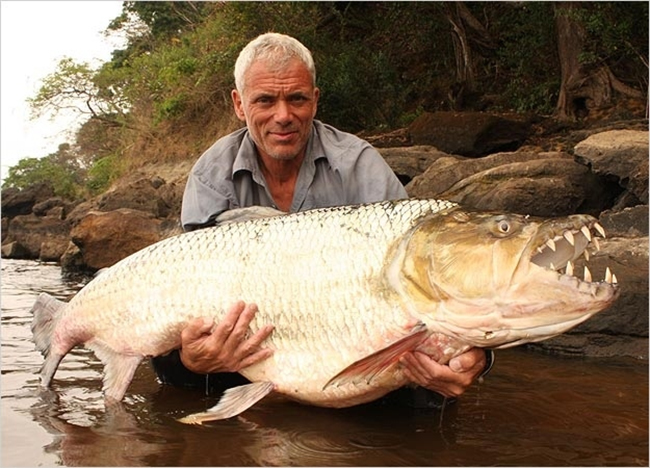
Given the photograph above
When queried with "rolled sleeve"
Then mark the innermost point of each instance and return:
(201, 204)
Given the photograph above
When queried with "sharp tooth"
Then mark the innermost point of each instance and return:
(608, 275)
(587, 275)
(568, 235)
(600, 230)
(551, 244)
(597, 244)
(551, 266)
(586, 252)
(614, 279)
(569, 269)
(540, 250)
(586, 232)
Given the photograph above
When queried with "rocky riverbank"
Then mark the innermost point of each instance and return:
(488, 162)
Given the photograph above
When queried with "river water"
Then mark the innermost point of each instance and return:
(532, 410)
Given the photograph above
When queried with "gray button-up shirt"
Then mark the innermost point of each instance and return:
(339, 169)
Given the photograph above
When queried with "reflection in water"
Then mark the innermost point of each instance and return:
(532, 409)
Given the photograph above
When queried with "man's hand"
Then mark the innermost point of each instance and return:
(206, 348)
(449, 380)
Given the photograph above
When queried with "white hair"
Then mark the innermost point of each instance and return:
(273, 47)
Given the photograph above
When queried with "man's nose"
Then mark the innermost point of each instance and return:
(283, 113)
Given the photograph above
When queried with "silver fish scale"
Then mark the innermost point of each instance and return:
(317, 276)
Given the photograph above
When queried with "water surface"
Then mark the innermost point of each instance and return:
(532, 410)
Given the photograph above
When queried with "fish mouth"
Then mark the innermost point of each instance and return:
(558, 246)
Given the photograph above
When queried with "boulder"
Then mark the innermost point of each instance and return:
(411, 161)
(145, 194)
(529, 183)
(472, 134)
(32, 231)
(621, 330)
(621, 155)
(629, 222)
(14, 250)
(17, 202)
(104, 238)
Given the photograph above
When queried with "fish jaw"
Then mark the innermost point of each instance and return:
(500, 280)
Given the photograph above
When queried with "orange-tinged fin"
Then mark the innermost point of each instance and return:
(367, 368)
(233, 402)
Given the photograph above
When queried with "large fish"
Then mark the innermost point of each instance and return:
(349, 290)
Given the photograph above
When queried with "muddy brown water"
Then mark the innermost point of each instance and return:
(532, 410)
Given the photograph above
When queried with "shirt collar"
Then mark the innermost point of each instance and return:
(246, 158)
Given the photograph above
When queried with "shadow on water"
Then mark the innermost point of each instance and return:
(532, 410)
(551, 414)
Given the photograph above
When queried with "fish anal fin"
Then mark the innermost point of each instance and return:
(367, 368)
(118, 369)
(234, 401)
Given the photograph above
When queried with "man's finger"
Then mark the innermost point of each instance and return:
(196, 329)
(227, 324)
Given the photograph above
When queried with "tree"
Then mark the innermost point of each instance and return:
(587, 81)
(60, 169)
(73, 86)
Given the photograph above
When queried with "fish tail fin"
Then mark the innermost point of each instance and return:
(46, 311)
(233, 402)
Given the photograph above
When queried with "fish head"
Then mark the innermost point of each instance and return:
(498, 280)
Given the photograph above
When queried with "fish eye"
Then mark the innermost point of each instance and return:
(504, 226)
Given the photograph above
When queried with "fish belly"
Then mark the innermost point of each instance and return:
(318, 277)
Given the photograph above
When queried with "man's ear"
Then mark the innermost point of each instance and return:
(238, 105)
(316, 96)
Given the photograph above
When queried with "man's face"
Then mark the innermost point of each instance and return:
(278, 106)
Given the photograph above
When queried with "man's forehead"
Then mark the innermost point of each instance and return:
(261, 69)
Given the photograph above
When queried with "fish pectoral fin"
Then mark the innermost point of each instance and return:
(367, 368)
(234, 401)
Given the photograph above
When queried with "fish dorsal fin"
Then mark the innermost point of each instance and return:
(367, 368)
(239, 215)
(234, 401)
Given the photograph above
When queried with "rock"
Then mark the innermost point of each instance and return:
(621, 330)
(538, 184)
(104, 238)
(53, 249)
(32, 231)
(621, 155)
(72, 261)
(142, 195)
(395, 138)
(630, 222)
(470, 134)
(42, 208)
(14, 250)
(20, 202)
(409, 162)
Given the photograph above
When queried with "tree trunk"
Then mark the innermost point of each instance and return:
(582, 88)
(466, 29)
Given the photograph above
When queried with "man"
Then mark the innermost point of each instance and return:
(284, 159)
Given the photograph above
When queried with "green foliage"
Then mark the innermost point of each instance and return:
(103, 171)
(56, 169)
(379, 65)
